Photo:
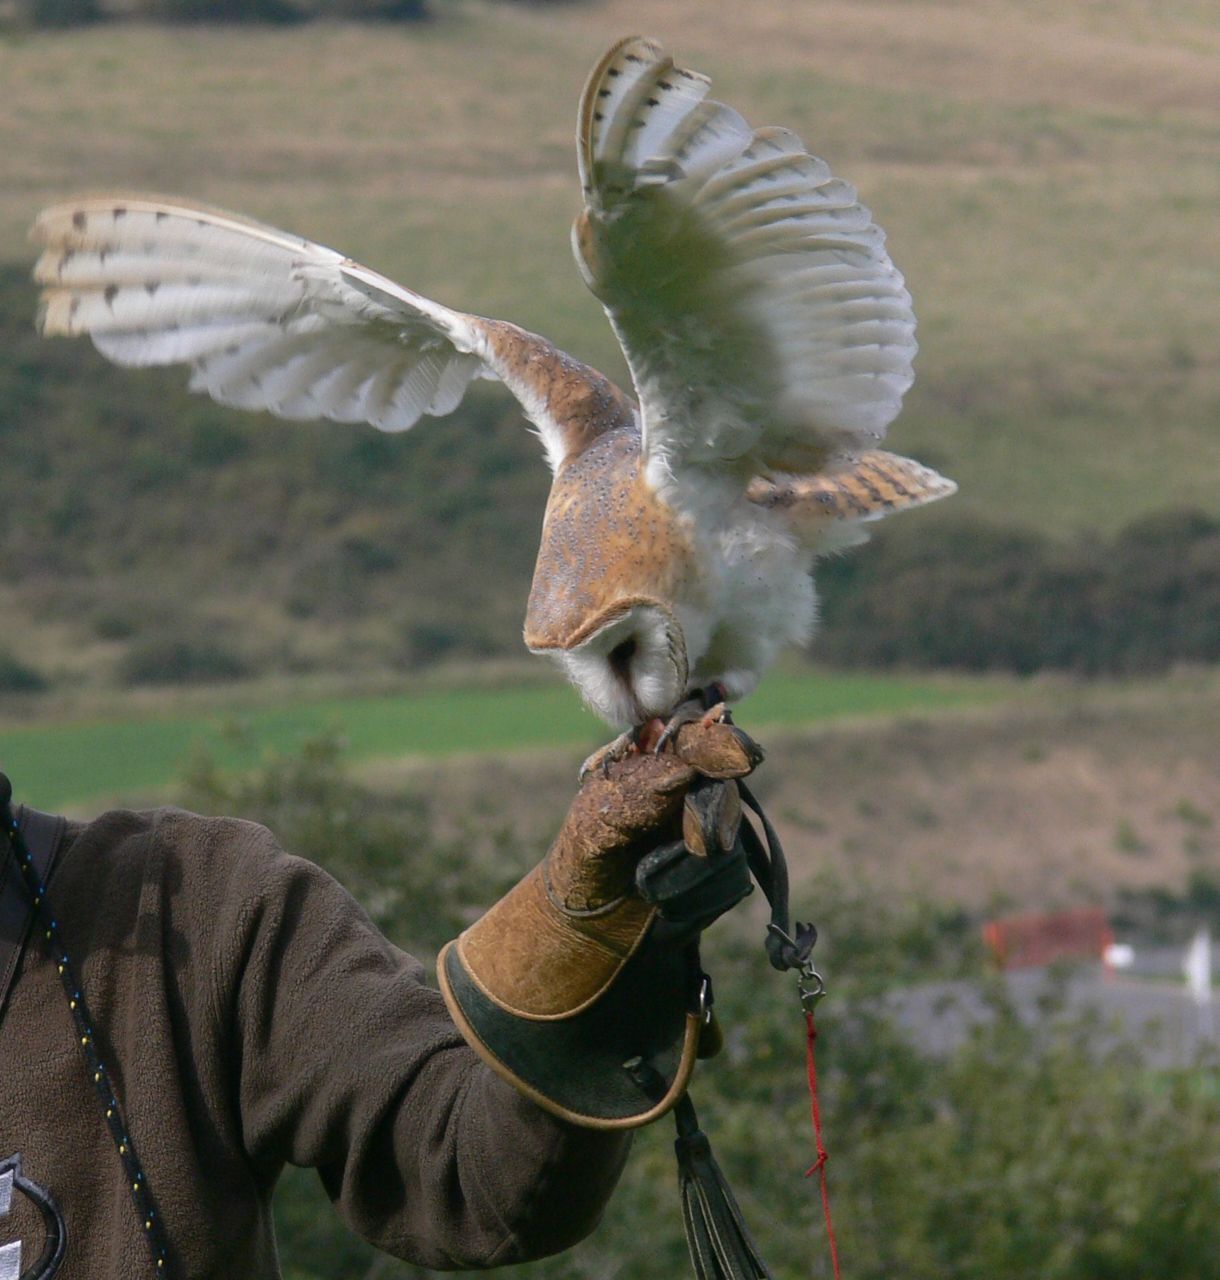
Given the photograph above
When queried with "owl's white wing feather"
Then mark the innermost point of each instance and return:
(266, 320)
(757, 307)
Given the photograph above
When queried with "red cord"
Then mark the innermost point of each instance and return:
(819, 1165)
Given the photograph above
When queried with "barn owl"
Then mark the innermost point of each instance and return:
(769, 338)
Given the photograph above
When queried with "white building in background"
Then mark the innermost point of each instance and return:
(1197, 968)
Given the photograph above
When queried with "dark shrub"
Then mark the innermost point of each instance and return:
(225, 10)
(979, 597)
(217, 441)
(62, 13)
(16, 677)
(375, 10)
(181, 660)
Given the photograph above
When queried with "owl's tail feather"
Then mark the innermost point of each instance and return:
(827, 510)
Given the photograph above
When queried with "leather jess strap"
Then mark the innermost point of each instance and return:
(42, 834)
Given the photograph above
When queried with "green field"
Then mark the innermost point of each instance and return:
(53, 765)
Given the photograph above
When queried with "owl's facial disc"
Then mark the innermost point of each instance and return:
(633, 666)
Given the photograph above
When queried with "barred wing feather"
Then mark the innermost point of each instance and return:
(265, 320)
(763, 321)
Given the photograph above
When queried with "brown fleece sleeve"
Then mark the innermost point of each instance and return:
(345, 1060)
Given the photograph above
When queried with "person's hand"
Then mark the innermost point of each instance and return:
(591, 960)
(682, 798)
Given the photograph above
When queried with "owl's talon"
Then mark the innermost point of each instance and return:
(601, 759)
(706, 705)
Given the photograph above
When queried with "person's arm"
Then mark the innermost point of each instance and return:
(345, 1060)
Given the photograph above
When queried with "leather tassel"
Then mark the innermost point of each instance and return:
(720, 1243)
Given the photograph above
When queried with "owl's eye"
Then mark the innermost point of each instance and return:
(620, 657)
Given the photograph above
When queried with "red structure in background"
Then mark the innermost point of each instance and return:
(1023, 942)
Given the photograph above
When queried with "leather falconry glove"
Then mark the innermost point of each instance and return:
(582, 986)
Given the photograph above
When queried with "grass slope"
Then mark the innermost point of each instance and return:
(1057, 794)
(53, 765)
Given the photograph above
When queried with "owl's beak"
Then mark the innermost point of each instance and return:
(629, 662)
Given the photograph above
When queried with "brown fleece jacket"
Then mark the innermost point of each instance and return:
(251, 1015)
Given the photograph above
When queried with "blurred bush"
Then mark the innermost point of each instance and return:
(69, 13)
(1164, 917)
(16, 677)
(181, 660)
(374, 10)
(221, 11)
(61, 13)
(981, 597)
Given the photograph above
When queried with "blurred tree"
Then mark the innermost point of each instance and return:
(374, 10)
(60, 13)
(1160, 598)
(70, 13)
(223, 11)
(981, 597)
(16, 677)
(185, 659)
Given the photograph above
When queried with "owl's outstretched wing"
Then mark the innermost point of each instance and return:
(763, 322)
(266, 320)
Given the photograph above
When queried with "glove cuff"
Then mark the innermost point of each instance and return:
(583, 1066)
(563, 985)
(537, 960)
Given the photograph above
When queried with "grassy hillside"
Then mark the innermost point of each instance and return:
(56, 764)
(975, 793)
(1047, 795)
(1048, 177)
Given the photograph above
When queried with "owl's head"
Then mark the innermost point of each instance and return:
(629, 663)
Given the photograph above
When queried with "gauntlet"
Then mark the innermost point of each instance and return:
(582, 986)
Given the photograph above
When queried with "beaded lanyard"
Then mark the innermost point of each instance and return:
(48, 927)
